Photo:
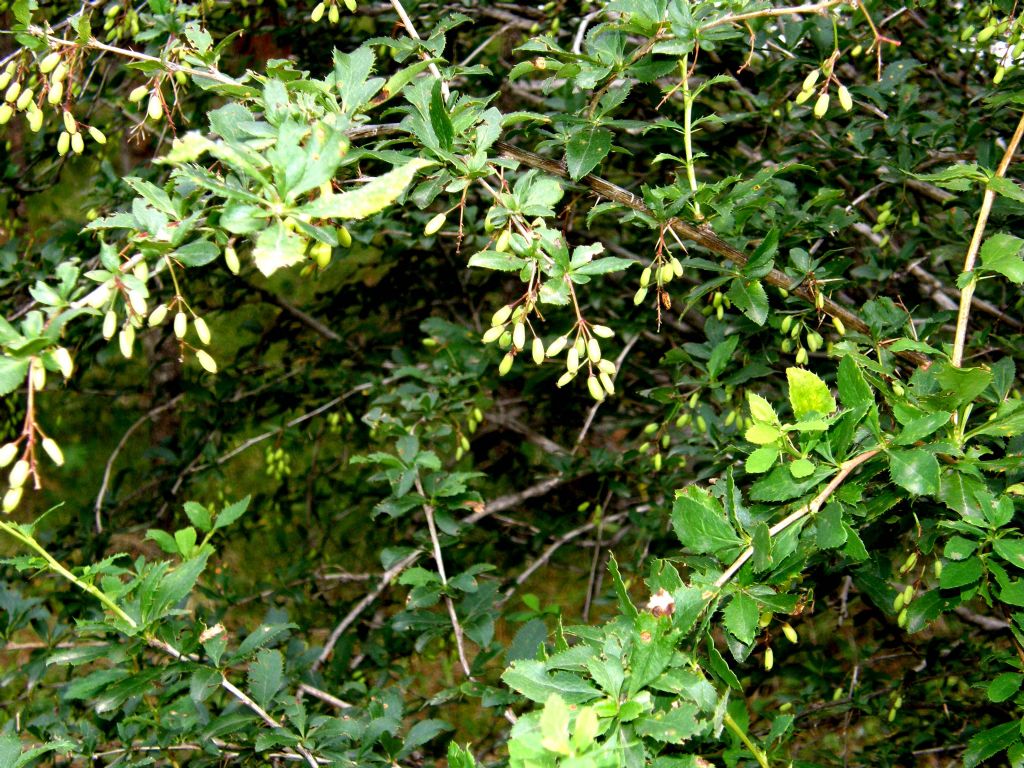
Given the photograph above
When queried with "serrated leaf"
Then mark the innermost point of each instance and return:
(531, 679)
(231, 513)
(278, 247)
(831, 532)
(750, 297)
(808, 394)
(266, 676)
(586, 149)
(761, 410)
(1011, 550)
(371, 198)
(502, 262)
(700, 523)
(915, 470)
(12, 374)
(1004, 686)
(991, 742)
(198, 515)
(439, 119)
(762, 434)
(854, 391)
(1001, 253)
(741, 616)
(762, 459)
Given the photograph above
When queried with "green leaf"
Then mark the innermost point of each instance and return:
(371, 198)
(266, 676)
(503, 262)
(1011, 550)
(198, 515)
(915, 470)
(991, 742)
(1004, 686)
(603, 266)
(960, 574)
(625, 604)
(808, 394)
(801, 468)
(439, 119)
(760, 433)
(761, 410)
(853, 389)
(554, 725)
(278, 247)
(762, 459)
(741, 616)
(672, 726)
(720, 667)
(831, 533)
(231, 513)
(1001, 253)
(921, 427)
(531, 679)
(750, 297)
(701, 525)
(12, 374)
(586, 149)
(654, 645)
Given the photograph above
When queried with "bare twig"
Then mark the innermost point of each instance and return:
(956, 358)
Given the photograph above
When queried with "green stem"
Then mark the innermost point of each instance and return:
(756, 751)
(29, 541)
(688, 132)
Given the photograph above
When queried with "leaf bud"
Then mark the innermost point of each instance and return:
(62, 358)
(19, 473)
(202, 330)
(596, 390)
(12, 498)
(53, 451)
(821, 106)
(790, 633)
(206, 360)
(506, 364)
(556, 346)
(593, 349)
(7, 453)
(435, 224)
(109, 324)
(56, 93)
(538, 350)
(126, 340)
(519, 335)
(318, 13)
(645, 277)
(180, 325)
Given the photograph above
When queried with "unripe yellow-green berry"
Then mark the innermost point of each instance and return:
(769, 659)
(666, 273)
(318, 13)
(49, 62)
(908, 594)
(138, 94)
(606, 382)
(506, 364)
(7, 453)
(62, 358)
(6, 113)
(845, 99)
(593, 349)
(811, 79)
(77, 143)
(56, 93)
(803, 96)
(53, 451)
(572, 360)
(519, 335)
(97, 135)
(206, 360)
(154, 109)
(202, 330)
(35, 120)
(63, 143)
(502, 315)
(13, 92)
(901, 620)
(839, 326)
(333, 15)
(801, 356)
(321, 253)
(69, 122)
(565, 378)
(180, 325)
(19, 474)
(596, 390)
(557, 346)
(603, 331)
(790, 633)
(24, 100)
(12, 498)
(158, 315)
(231, 260)
(435, 224)
(492, 334)
(537, 350)
(645, 277)
(126, 340)
(639, 296)
(821, 105)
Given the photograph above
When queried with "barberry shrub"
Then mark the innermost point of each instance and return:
(590, 384)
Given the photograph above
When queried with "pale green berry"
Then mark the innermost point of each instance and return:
(7, 453)
(845, 99)
(596, 390)
(839, 326)
(97, 135)
(506, 364)
(202, 330)
(180, 325)
(810, 80)
(603, 331)
(572, 360)
(435, 224)
(231, 260)
(333, 15)
(77, 143)
(639, 296)
(492, 334)
(645, 277)
(126, 340)
(12, 498)
(155, 108)
(821, 105)
(138, 94)
(63, 143)
(206, 360)
(519, 335)
(53, 451)
(607, 383)
(538, 350)
(35, 120)
(62, 358)
(158, 315)
(593, 349)
(24, 100)
(48, 63)
(503, 241)
(790, 633)
(565, 378)
(56, 93)
(109, 324)
(501, 316)
(6, 113)
(19, 474)
(318, 13)
(557, 346)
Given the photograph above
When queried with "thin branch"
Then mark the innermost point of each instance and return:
(704, 237)
(972, 250)
(117, 450)
(290, 309)
(411, 30)
(435, 541)
(810, 508)
(795, 10)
